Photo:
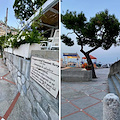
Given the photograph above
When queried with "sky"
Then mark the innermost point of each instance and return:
(90, 8)
(12, 21)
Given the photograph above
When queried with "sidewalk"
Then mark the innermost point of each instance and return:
(83, 100)
(12, 105)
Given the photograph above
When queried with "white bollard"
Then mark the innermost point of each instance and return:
(111, 107)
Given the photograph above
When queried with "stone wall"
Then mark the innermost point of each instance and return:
(43, 105)
(114, 68)
(76, 75)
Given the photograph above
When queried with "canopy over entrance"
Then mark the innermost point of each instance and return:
(91, 57)
(49, 21)
(71, 55)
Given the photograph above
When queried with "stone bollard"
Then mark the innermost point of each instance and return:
(111, 107)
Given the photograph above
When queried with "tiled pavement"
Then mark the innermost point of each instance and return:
(83, 100)
(10, 99)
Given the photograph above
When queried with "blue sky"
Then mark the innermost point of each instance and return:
(90, 8)
(4, 4)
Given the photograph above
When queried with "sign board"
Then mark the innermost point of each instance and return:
(46, 73)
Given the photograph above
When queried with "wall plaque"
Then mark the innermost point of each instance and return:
(46, 73)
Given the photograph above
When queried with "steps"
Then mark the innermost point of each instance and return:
(114, 84)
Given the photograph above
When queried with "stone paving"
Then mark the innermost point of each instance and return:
(83, 100)
(12, 104)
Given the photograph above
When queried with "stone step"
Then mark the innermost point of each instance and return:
(111, 86)
(116, 84)
(117, 76)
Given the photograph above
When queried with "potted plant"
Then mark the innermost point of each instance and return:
(88, 67)
(26, 41)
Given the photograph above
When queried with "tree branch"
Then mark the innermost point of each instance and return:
(81, 41)
(93, 49)
(32, 6)
(103, 35)
(81, 47)
(70, 33)
(76, 34)
(82, 50)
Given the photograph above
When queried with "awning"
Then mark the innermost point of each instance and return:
(71, 55)
(91, 57)
(50, 18)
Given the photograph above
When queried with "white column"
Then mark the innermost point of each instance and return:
(67, 60)
(64, 60)
(79, 62)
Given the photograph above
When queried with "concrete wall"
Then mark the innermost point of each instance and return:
(43, 105)
(115, 68)
(76, 75)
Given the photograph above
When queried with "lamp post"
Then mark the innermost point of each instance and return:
(6, 23)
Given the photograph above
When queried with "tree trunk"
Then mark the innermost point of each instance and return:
(90, 63)
(1, 50)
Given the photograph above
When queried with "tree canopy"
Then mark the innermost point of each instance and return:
(100, 31)
(24, 9)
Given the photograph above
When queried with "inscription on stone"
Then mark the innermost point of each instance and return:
(46, 73)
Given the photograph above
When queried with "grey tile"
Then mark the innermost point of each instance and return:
(85, 102)
(95, 112)
(100, 95)
(67, 108)
(78, 116)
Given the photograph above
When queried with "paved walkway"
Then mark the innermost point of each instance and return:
(12, 105)
(83, 100)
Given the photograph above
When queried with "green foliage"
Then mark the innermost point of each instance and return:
(88, 67)
(2, 40)
(33, 36)
(24, 9)
(29, 34)
(101, 30)
(67, 40)
(13, 41)
(73, 21)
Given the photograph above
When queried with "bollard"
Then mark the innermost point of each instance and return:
(111, 107)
